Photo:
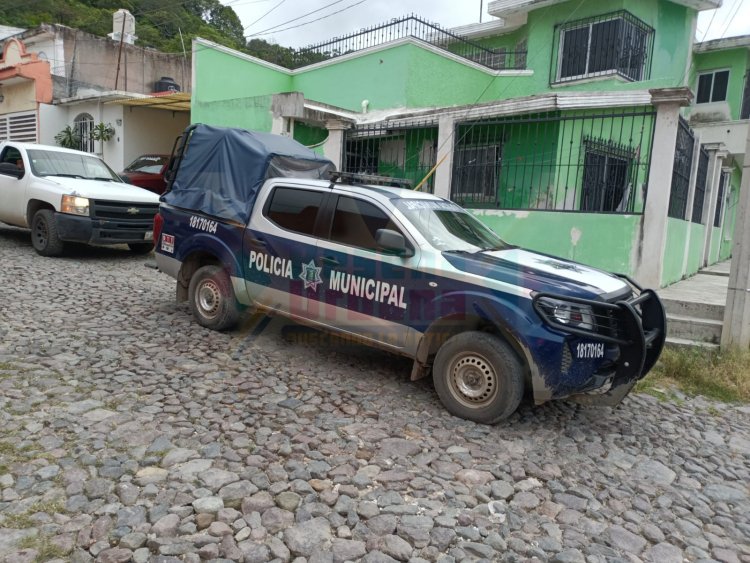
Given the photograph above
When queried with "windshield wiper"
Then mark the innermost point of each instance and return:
(66, 175)
(102, 179)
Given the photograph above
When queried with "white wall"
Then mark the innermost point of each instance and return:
(52, 120)
(151, 131)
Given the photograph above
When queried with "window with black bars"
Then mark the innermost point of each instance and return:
(683, 162)
(606, 176)
(583, 161)
(616, 43)
(720, 199)
(701, 179)
(399, 150)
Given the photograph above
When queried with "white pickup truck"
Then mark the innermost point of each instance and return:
(64, 195)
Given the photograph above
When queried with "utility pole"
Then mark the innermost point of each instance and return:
(481, 10)
(119, 51)
(736, 330)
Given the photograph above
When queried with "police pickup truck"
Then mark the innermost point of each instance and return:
(256, 220)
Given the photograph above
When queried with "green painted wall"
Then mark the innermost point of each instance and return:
(737, 61)
(674, 252)
(713, 253)
(602, 241)
(309, 135)
(695, 248)
(223, 76)
(249, 113)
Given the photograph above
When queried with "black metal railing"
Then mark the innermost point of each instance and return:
(701, 180)
(720, 198)
(410, 26)
(398, 150)
(586, 161)
(683, 162)
(616, 43)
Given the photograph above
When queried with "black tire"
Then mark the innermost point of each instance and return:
(44, 236)
(141, 247)
(212, 299)
(478, 377)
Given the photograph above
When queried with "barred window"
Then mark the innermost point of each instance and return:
(616, 43)
(606, 176)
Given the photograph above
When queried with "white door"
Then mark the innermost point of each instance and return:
(12, 189)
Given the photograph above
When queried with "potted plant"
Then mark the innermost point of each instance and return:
(102, 131)
(68, 138)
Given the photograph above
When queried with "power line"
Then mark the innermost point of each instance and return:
(297, 18)
(264, 15)
(315, 20)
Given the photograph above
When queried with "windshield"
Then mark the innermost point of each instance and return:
(448, 227)
(72, 165)
(149, 164)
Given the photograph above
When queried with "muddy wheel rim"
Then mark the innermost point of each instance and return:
(208, 298)
(473, 381)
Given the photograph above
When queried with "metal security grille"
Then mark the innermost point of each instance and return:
(700, 186)
(19, 127)
(398, 150)
(84, 126)
(588, 161)
(720, 199)
(617, 43)
(683, 162)
(410, 26)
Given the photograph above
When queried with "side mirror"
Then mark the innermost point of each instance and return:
(392, 241)
(125, 179)
(8, 169)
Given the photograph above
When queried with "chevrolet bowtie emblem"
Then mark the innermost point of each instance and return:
(133, 210)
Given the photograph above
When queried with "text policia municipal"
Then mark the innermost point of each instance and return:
(357, 286)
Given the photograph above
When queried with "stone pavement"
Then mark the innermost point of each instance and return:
(128, 432)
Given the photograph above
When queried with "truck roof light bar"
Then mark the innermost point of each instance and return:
(372, 179)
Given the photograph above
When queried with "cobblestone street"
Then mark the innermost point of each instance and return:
(130, 433)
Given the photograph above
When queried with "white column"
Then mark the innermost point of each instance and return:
(649, 261)
(691, 196)
(736, 331)
(716, 156)
(446, 142)
(333, 148)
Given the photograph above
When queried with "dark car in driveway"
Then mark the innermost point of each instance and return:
(147, 171)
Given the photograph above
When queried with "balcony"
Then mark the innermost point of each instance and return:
(415, 28)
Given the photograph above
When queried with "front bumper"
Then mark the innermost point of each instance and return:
(74, 228)
(632, 331)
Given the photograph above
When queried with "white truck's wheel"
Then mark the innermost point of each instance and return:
(44, 236)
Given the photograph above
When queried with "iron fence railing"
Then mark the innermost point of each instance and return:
(410, 26)
(392, 149)
(683, 162)
(585, 161)
(701, 180)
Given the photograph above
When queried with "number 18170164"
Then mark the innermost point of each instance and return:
(590, 350)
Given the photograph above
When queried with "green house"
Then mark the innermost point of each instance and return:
(573, 127)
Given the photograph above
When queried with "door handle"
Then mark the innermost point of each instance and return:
(330, 261)
(257, 242)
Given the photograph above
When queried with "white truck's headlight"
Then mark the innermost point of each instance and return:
(75, 205)
(578, 316)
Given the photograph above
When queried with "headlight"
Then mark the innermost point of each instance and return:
(567, 313)
(75, 205)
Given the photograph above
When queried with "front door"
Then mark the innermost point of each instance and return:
(12, 189)
(365, 289)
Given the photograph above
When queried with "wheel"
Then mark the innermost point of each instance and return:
(478, 377)
(212, 300)
(44, 236)
(141, 247)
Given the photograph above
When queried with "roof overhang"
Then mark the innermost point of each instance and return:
(739, 42)
(171, 101)
(505, 8)
(494, 27)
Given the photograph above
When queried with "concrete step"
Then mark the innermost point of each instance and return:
(715, 273)
(690, 328)
(686, 343)
(692, 309)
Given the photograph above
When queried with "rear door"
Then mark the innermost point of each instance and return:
(279, 249)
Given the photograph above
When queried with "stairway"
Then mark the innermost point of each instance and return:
(695, 308)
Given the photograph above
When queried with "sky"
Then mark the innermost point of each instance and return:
(271, 18)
